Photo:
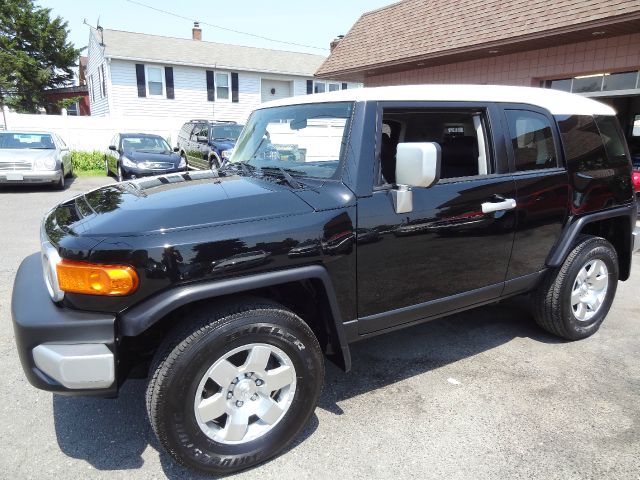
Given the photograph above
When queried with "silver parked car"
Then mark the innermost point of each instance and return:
(34, 157)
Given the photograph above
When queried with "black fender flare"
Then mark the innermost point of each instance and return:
(142, 316)
(572, 230)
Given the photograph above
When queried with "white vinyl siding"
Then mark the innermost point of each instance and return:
(190, 88)
(99, 99)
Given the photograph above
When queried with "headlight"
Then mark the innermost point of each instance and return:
(48, 163)
(128, 163)
(183, 163)
(227, 153)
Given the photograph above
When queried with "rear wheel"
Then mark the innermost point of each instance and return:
(235, 387)
(574, 300)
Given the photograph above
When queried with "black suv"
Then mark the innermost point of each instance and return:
(384, 208)
(206, 144)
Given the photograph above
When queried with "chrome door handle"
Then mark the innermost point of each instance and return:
(506, 204)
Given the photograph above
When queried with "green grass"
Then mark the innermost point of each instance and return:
(89, 173)
(87, 161)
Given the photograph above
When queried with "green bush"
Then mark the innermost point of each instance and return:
(83, 161)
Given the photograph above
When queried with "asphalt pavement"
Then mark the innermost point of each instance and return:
(480, 395)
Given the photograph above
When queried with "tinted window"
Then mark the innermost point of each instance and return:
(612, 139)
(35, 141)
(581, 142)
(532, 140)
(223, 132)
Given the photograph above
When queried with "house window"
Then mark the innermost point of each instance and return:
(155, 82)
(321, 87)
(101, 80)
(600, 82)
(222, 86)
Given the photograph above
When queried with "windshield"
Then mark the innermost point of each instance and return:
(306, 140)
(26, 140)
(145, 144)
(224, 132)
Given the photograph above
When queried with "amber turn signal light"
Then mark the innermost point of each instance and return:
(95, 279)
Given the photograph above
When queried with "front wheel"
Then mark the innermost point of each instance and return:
(574, 300)
(235, 386)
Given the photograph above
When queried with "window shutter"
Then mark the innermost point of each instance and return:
(104, 82)
(235, 97)
(344, 86)
(168, 80)
(309, 87)
(142, 90)
(211, 87)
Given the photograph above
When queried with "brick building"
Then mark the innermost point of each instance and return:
(590, 47)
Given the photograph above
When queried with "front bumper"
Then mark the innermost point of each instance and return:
(61, 350)
(145, 172)
(29, 176)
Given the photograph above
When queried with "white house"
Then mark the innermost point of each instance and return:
(135, 74)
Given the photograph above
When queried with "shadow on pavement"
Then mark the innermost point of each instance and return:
(113, 434)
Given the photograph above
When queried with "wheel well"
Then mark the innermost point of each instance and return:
(617, 231)
(307, 298)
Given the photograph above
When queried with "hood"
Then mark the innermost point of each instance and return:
(169, 203)
(223, 145)
(25, 155)
(136, 156)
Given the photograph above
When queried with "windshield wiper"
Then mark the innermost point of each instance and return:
(287, 176)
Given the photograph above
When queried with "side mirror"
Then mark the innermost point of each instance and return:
(201, 138)
(176, 149)
(417, 165)
(113, 147)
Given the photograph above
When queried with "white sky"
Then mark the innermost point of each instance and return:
(304, 22)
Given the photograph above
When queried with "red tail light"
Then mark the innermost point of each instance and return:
(635, 177)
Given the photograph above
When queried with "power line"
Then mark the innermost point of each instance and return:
(224, 28)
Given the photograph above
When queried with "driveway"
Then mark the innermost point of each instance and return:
(480, 395)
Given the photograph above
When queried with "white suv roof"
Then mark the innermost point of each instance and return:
(556, 102)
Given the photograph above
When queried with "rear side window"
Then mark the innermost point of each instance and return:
(531, 140)
(583, 148)
(613, 140)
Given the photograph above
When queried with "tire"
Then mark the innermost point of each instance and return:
(188, 359)
(214, 161)
(60, 184)
(186, 162)
(120, 176)
(106, 168)
(574, 308)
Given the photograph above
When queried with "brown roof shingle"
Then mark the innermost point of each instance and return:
(423, 29)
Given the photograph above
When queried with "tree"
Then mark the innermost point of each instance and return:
(34, 54)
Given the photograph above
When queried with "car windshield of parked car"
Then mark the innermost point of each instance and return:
(25, 141)
(226, 132)
(304, 140)
(145, 144)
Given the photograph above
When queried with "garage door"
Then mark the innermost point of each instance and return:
(275, 89)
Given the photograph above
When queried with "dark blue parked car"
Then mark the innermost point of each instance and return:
(134, 155)
(206, 144)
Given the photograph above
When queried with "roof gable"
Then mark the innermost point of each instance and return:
(177, 51)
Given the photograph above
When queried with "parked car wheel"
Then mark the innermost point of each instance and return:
(234, 387)
(60, 185)
(120, 174)
(186, 162)
(106, 167)
(573, 300)
(214, 161)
